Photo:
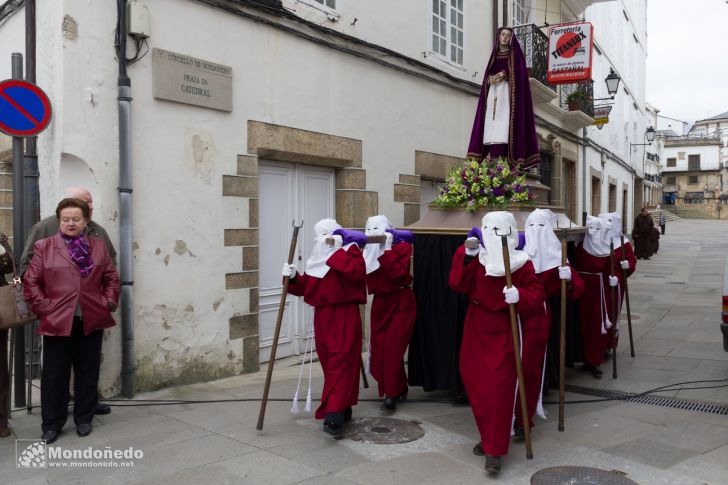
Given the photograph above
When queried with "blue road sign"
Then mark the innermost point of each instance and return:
(25, 109)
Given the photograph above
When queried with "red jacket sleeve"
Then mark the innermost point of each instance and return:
(34, 282)
(349, 263)
(396, 262)
(531, 296)
(576, 289)
(110, 280)
(462, 276)
(297, 285)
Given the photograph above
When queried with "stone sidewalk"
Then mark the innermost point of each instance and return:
(676, 305)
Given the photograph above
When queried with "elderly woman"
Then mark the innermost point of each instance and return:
(72, 285)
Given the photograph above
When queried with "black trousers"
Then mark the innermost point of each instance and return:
(83, 352)
(662, 227)
(4, 379)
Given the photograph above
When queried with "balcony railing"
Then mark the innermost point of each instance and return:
(584, 99)
(535, 47)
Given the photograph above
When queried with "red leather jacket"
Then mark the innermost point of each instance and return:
(53, 286)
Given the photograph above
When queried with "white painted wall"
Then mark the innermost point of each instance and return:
(709, 157)
(181, 152)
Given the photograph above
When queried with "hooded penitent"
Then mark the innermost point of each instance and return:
(542, 245)
(316, 264)
(614, 220)
(522, 141)
(375, 226)
(494, 225)
(596, 239)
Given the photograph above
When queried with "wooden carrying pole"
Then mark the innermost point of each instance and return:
(613, 306)
(562, 338)
(276, 334)
(370, 240)
(626, 300)
(517, 349)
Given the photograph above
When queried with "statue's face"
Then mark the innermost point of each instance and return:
(504, 38)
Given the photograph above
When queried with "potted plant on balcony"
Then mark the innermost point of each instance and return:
(574, 100)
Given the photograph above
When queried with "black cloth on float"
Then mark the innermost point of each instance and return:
(434, 351)
(574, 351)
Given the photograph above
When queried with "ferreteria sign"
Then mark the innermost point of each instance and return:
(570, 53)
(189, 80)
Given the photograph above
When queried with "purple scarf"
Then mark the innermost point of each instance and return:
(80, 253)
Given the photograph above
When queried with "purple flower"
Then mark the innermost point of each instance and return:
(498, 191)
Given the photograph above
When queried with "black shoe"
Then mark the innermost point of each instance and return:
(595, 371)
(102, 408)
(390, 404)
(347, 414)
(403, 397)
(5, 432)
(519, 434)
(478, 449)
(492, 464)
(333, 428)
(84, 429)
(49, 436)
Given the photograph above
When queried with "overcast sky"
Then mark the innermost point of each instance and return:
(687, 57)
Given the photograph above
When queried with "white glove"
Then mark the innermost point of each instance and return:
(511, 294)
(565, 273)
(624, 264)
(2, 250)
(338, 241)
(288, 271)
(388, 242)
(474, 251)
(613, 281)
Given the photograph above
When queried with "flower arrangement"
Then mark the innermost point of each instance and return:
(492, 182)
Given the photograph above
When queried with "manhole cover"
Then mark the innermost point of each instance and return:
(382, 431)
(579, 475)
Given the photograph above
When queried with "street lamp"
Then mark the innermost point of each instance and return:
(649, 135)
(612, 82)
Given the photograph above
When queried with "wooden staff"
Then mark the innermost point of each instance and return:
(562, 338)
(381, 239)
(277, 332)
(517, 348)
(363, 373)
(626, 299)
(613, 305)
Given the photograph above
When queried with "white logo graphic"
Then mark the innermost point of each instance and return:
(30, 454)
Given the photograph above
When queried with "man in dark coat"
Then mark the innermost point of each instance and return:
(642, 235)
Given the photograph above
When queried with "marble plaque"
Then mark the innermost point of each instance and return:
(185, 79)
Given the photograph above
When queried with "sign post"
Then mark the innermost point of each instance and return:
(25, 111)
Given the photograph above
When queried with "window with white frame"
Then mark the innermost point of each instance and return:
(448, 29)
(327, 3)
(522, 11)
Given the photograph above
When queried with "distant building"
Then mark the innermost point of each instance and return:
(692, 170)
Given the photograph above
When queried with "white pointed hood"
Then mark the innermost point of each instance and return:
(375, 226)
(493, 226)
(596, 239)
(542, 245)
(614, 220)
(316, 263)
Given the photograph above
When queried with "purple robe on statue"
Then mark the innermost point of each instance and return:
(522, 147)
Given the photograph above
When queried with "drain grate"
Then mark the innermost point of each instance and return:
(676, 283)
(383, 431)
(665, 402)
(579, 475)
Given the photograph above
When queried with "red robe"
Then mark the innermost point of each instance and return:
(337, 325)
(487, 361)
(536, 335)
(596, 301)
(392, 318)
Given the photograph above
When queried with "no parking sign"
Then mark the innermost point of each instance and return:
(25, 109)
